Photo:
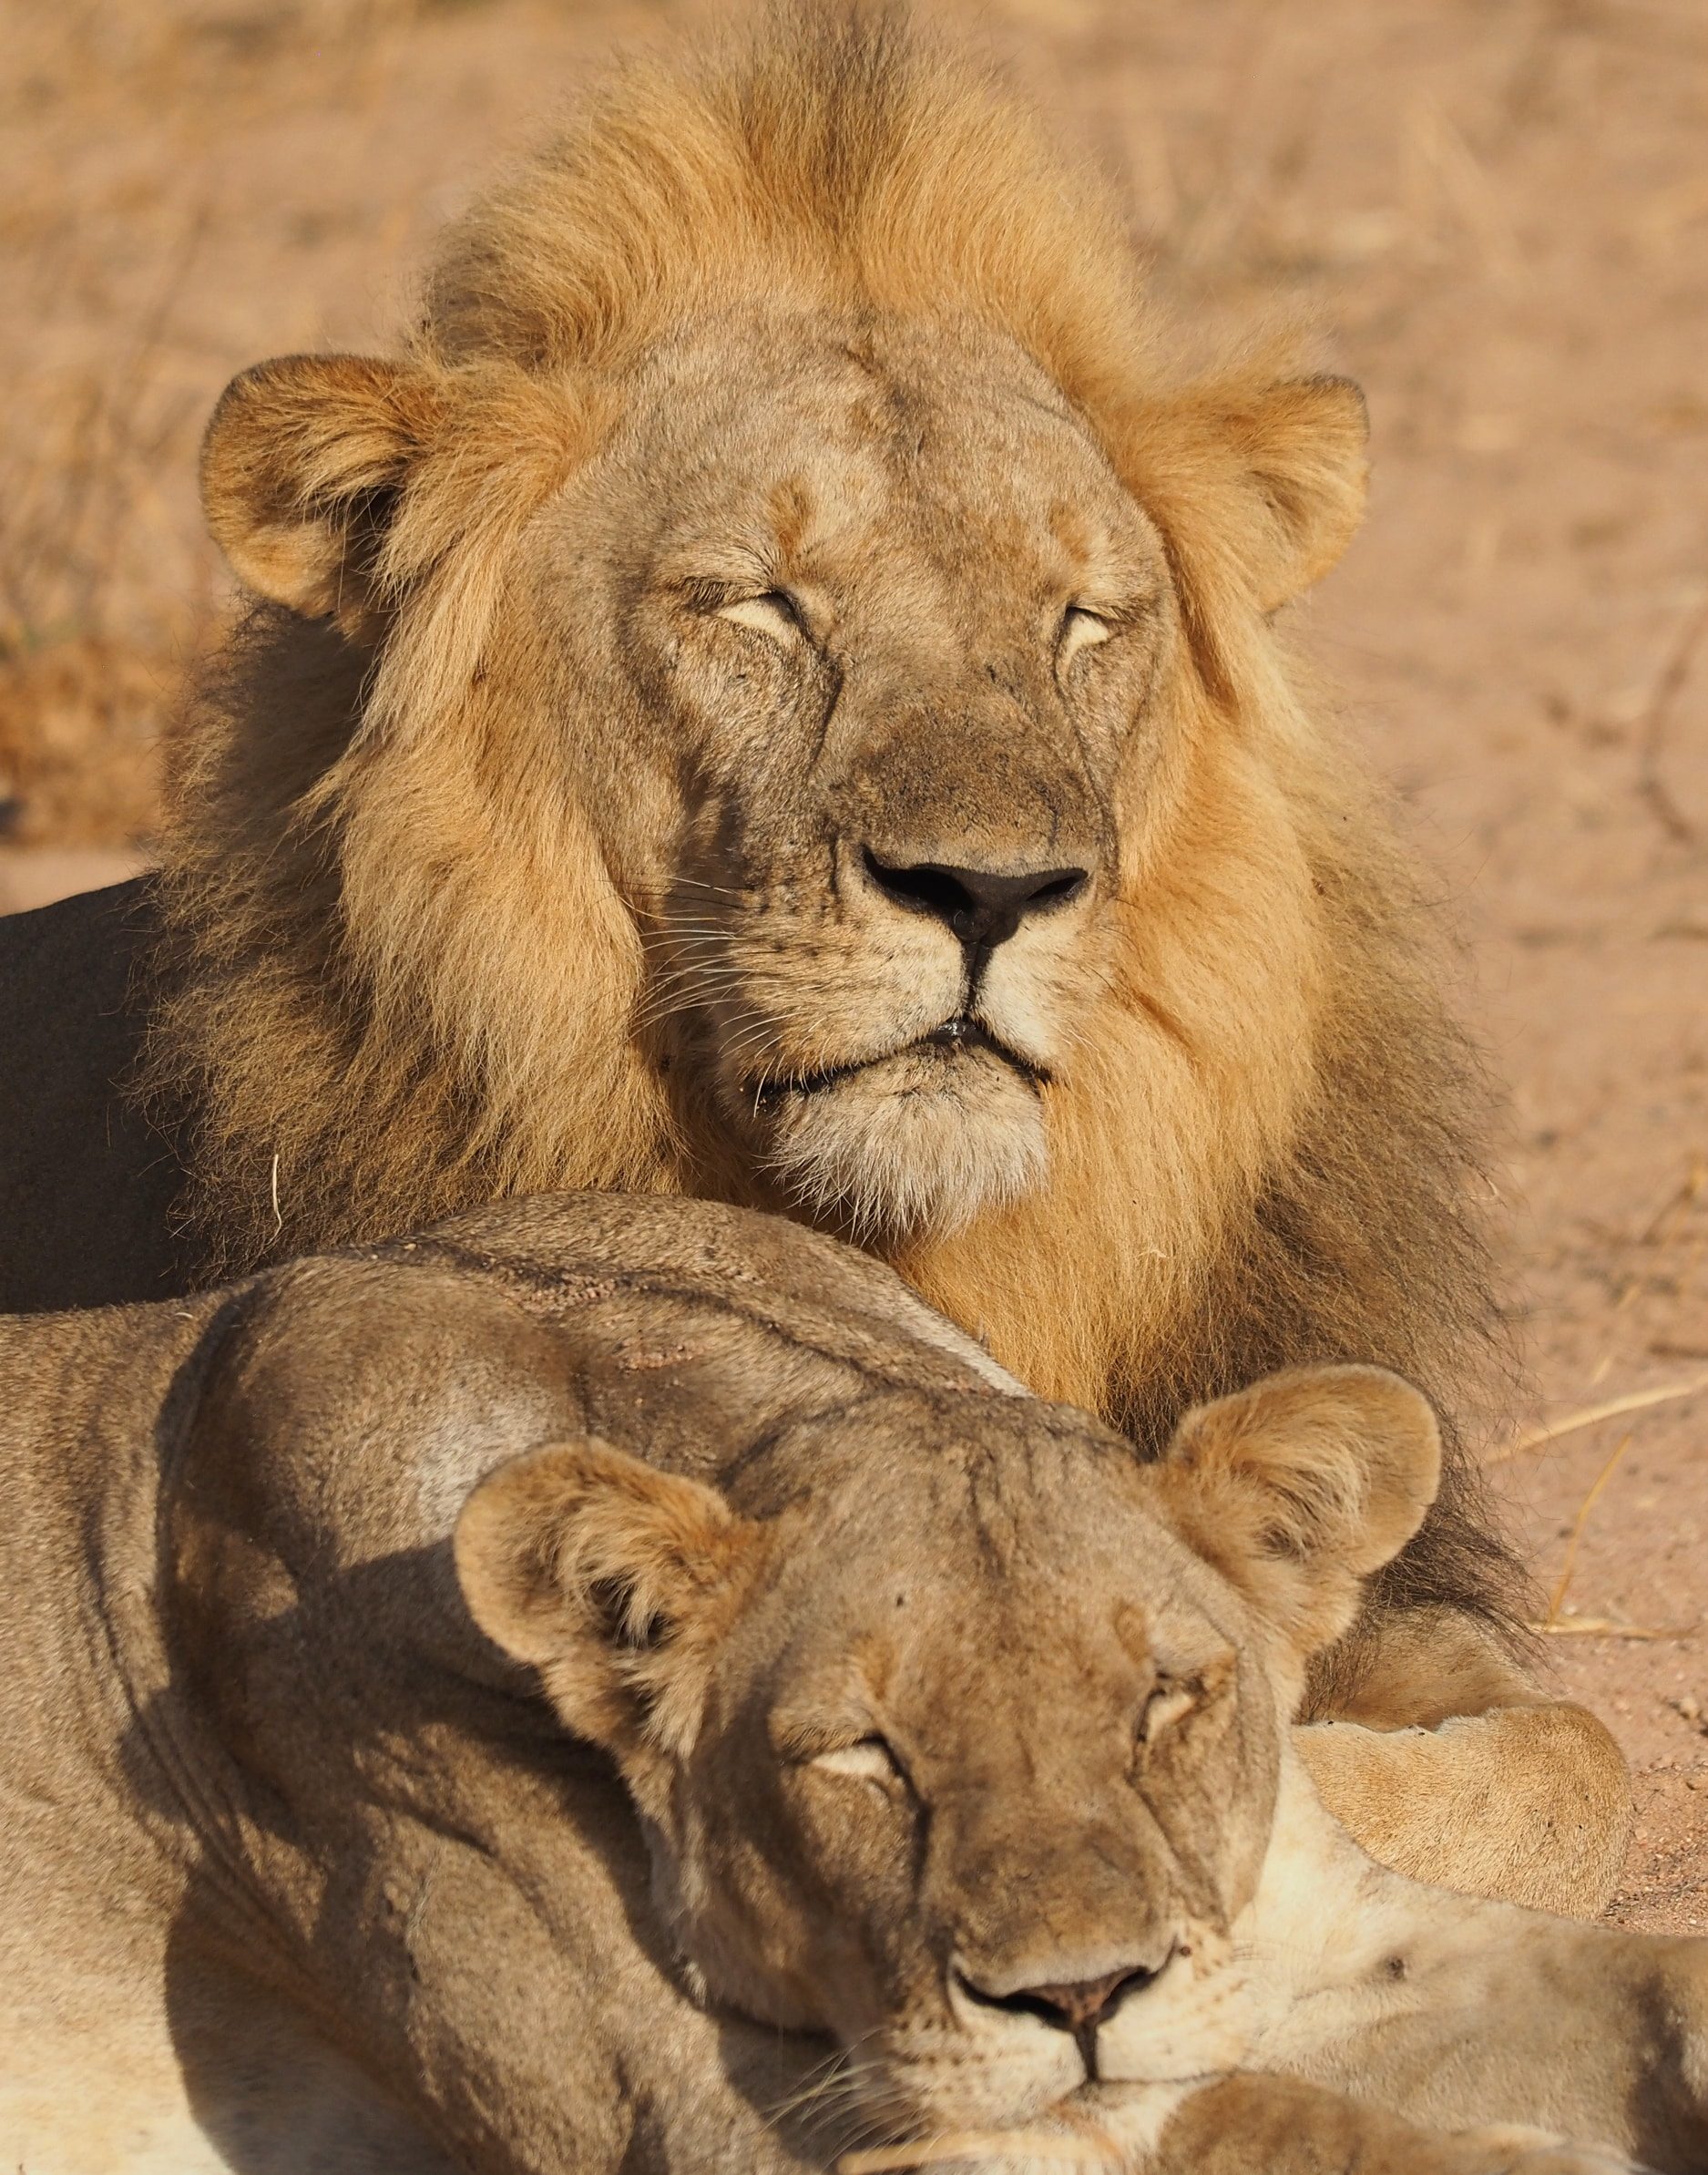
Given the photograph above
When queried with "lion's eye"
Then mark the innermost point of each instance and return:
(869, 1761)
(1080, 629)
(1168, 1703)
(774, 613)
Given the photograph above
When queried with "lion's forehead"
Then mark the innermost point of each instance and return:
(815, 431)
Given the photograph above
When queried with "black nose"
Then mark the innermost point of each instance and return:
(984, 907)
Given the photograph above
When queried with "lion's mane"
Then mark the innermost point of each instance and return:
(402, 981)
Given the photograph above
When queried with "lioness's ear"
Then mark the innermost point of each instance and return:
(300, 468)
(1299, 1487)
(615, 1581)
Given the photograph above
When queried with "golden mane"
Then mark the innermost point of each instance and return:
(374, 884)
(829, 157)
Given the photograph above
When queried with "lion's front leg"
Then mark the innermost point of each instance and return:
(1526, 1804)
(1446, 1763)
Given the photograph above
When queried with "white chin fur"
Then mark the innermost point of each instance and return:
(899, 1164)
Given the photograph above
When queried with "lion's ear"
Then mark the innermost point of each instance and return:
(1305, 446)
(300, 467)
(1299, 1487)
(1259, 482)
(613, 1580)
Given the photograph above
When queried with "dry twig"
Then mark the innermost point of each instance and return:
(1669, 684)
(1634, 1400)
(1557, 1598)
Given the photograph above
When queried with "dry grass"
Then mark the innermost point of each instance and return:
(1611, 1408)
(97, 599)
(143, 276)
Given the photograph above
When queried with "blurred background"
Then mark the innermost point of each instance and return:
(1499, 209)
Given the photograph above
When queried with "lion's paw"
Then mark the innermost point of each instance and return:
(1512, 2149)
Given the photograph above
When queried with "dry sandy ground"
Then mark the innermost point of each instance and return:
(1501, 209)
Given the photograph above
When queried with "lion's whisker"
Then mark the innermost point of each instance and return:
(666, 1003)
(698, 883)
(679, 994)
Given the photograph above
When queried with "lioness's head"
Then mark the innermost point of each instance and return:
(819, 729)
(957, 1735)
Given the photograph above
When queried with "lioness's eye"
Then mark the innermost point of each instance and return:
(1167, 1705)
(870, 1760)
(774, 613)
(1080, 629)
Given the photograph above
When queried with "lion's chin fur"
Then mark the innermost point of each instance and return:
(916, 1146)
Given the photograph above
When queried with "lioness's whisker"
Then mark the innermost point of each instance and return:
(834, 2091)
(836, 2101)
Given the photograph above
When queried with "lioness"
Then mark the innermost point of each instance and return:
(955, 1733)
(774, 695)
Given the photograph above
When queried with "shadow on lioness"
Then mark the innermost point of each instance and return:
(926, 1764)
(776, 692)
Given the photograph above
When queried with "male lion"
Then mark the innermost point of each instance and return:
(955, 1731)
(775, 696)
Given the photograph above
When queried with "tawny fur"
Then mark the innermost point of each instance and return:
(411, 979)
(299, 1869)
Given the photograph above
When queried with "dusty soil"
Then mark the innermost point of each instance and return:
(1501, 209)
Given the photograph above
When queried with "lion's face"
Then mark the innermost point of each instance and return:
(793, 763)
(959, 1740)
(880, 639)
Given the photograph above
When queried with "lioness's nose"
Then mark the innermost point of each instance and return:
(1079, 2006)
(983, 907)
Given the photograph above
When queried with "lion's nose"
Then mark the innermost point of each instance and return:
(1078, 2005)
(983, 907)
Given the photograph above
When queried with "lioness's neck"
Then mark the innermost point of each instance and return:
(1448, 2007)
